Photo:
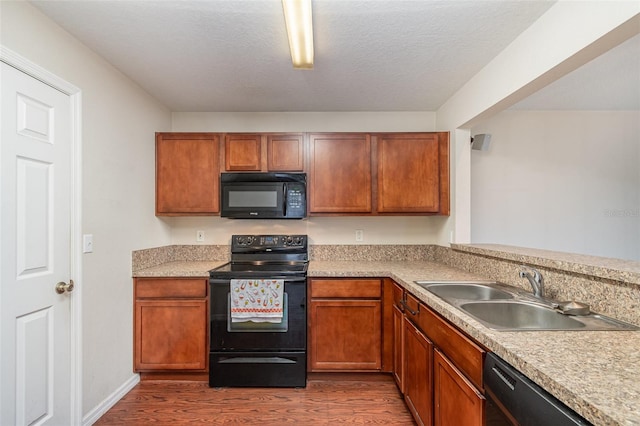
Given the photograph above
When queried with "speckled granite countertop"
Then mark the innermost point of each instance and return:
(594, 372)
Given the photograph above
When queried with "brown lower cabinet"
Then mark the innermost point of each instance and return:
(171, 325)
(398, 347)
(456, 401)
(345, 325)
(418, 384)
(441, 368)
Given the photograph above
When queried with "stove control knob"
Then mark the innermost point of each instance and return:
(289, 241)
(244, 240)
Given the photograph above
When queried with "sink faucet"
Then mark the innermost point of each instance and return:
(535, 279)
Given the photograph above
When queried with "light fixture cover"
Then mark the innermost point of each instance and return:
(297, 15)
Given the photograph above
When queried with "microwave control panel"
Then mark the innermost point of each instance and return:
(296, 204)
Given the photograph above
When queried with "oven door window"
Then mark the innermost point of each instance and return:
(262, 326)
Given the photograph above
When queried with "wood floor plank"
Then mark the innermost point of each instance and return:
(326, 400)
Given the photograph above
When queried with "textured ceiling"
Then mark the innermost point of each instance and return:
(370, 55)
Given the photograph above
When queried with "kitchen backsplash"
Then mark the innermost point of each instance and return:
(372, 253)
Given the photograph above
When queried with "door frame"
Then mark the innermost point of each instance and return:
(75, 95)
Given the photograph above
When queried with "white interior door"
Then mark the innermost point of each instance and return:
(36, 189)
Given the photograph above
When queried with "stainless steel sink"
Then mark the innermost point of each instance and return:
(467, 291)
(520, 316)
(505, 308)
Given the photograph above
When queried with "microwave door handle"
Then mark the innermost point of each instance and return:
(284, 199)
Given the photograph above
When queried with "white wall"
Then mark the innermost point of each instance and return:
(118, 125)
(559, 180)
(321, 230)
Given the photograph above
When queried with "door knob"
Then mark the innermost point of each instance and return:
(63, 287)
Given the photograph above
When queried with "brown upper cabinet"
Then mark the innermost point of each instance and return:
(385, 173)
(339, 173)
(359, 174)
(408, 172)
(264, 152)
(285, 152)
(187, 174)
(242, 152)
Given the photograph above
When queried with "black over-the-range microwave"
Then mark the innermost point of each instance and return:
(263, 195)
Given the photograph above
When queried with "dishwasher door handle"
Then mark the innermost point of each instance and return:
(506, 379)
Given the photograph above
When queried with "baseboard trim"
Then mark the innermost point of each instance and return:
(110, 401)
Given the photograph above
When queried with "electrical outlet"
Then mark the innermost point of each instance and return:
(200, 236)
(359, 235)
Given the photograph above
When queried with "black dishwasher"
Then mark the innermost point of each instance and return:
(513, 399)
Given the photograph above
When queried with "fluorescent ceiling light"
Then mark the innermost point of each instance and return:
(297, 15)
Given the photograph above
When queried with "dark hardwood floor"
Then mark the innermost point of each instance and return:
(327, 400)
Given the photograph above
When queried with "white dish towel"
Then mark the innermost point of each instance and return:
(259, 300)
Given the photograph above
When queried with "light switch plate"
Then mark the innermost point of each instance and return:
(87, 243)
(200, 236)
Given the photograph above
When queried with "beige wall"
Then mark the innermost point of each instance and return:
(118, 125)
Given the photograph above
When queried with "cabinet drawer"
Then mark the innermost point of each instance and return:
(171, 287)
(370, 289)
(464, 353)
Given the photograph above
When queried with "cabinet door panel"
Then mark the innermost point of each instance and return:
(398, 348)
(345, 335)
(187, 173)
(340, 173)
(285, 153)
(170, 335)
(408, 173)
(242, 152)
(418, 383)
(456, 400)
